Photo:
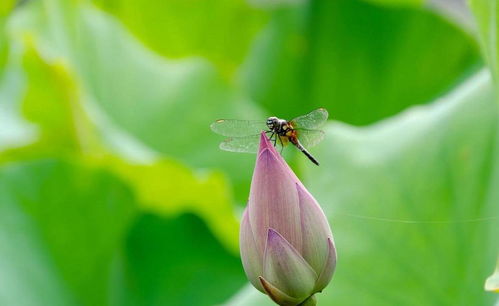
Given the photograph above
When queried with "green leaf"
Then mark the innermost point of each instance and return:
(168, 188)
(412, 202)
(6, 7)
(61, 225)
(3, 49)
(176, 262)
(220, 31)
(363, 62)
(3, 45)
(398, 2)
(485, 12)
(139, 92)
(420, 186)
(492, 282)
(69, 235)
(54, 102)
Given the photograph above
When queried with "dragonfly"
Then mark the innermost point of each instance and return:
(302, 132)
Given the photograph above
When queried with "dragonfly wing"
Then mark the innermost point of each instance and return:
(310, 138)
(313, 120)
(247, 144)
(238, 128)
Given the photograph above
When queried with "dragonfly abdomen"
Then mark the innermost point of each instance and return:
(297, 143)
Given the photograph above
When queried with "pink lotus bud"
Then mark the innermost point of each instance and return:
(287, 247)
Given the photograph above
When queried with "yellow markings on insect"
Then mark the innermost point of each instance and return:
(284, 140)
(220, 120)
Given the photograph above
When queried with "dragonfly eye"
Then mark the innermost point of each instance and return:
(271, 122)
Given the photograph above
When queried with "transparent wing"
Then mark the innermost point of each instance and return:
(309, 138)
(312, 120)
(238, 128)
(247, 144)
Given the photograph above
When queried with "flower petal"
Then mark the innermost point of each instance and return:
(277, 295)
(266, 144)
(251, 258)
(286, 269)
(315, 230)
(273, 201)
(329, 267)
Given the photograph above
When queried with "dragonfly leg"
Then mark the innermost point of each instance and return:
(282, 145)
(272, 135)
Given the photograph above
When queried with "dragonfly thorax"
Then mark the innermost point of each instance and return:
(278, 126)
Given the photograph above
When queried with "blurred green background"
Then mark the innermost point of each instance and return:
(113, 190)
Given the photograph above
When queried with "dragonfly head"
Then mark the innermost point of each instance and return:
(272, 122)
